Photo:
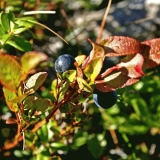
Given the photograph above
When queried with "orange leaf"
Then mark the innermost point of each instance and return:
(151, 52)
(10, 72)
(31, 59)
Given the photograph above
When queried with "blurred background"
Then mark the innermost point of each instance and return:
(130, 130)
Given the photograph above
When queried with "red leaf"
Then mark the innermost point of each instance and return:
(121, 75)
(131, 68)
(134, 66)
(151, 52)
(121, 45)
(117, 81)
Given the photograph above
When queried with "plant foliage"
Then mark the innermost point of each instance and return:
(40, 120)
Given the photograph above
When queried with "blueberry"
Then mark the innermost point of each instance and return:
(64, 62)
(104, 99)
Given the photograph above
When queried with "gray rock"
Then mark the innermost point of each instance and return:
(134, 18)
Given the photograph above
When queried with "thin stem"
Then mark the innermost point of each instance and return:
(57, 105)
(103, 22)
(114, 136)
(44, 26)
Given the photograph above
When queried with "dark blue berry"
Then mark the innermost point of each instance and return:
(104, 99)
(64, 62)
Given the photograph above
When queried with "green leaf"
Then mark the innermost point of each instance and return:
(10, 72)
(19, 30)
(80, 59)
(94, 62)
(12, 25)
(64, 108)
(26, 118)
(11, 19)
(132, 129)
(30, 138)
(141, 108)
(23, 22)
(97, 52)
(59, 146)
(11, 16)
(31, 59)
(41, 104)
(54, 88)
(5, 22)
(35, 81)
(70, 107)
(54, 127)
(93, 69)
(5, 38)
(64, 88)
(28, 102)
(94, 147)
(9, 96)
(43, 133)
(44, 152)
(79, 139)
(84, 85)
(18, 154)
(19, 99)
(82, 96)
(21, 25)
(20, 43)
(74, 107)
(70, 75)
(2, 31)
(56, 158)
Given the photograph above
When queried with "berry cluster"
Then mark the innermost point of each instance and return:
(102, 99)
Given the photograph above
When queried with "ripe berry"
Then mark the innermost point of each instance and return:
(64, 62)
(104, 99)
